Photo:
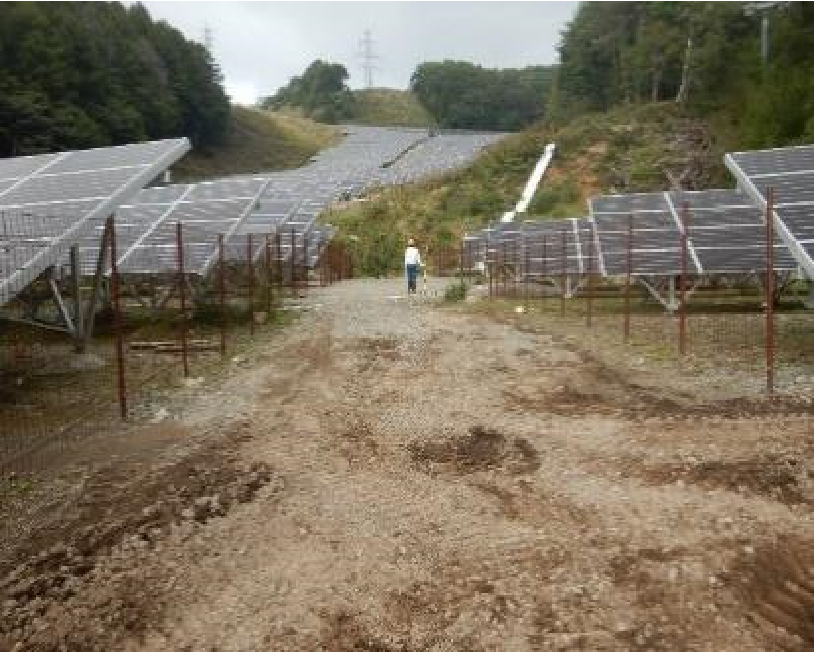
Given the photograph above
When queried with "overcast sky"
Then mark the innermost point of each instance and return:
(261, 45)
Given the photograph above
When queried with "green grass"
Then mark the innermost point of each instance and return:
(389, 107)
(258, 141)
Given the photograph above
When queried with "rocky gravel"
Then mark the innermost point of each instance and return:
(393, 473)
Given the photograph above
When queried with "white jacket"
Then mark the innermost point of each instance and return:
(412, 256)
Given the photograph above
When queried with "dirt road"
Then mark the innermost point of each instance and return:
(391, 474)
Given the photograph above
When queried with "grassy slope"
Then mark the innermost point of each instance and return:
(626, 150)
(258, 141)
(387, 106)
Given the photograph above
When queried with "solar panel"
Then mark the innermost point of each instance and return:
(656, 247)
(536, 247)
(725, 233)
(206, 210)
(789, 171)
(62, 194)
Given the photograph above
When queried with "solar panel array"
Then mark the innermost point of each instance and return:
(541, 248)
(725, 235)
(366, 158)
(286, 203)
(206, 210)
(74, 192)
(789, 172)
(60, 195)
(657, 239)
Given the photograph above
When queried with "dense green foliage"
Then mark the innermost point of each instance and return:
(321, 91)
(451, 94)
(707, 55)
(85, 74)
(460, 94)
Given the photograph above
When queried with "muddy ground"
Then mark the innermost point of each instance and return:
(391, 474)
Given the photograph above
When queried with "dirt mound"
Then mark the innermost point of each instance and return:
(480, 449)
(114, 513)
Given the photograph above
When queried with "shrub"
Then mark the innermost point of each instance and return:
(456, 292)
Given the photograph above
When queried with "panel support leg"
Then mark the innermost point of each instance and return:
(60, 303)
(96, 291)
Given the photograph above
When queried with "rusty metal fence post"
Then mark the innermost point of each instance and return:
(182, 295)
(563, 271)
(629, 271)
(543, 272)
(769, 292)
(305, 269)
(589, 290)
(118, 327)
(514, 267)
(250, 279)
(487, 260)
(682, 297)
(525, 274)
(267, 260)
(222, 295)
(278, 263)
(291, 262)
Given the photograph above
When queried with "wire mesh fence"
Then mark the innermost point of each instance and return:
(717, 321)
(161, 318)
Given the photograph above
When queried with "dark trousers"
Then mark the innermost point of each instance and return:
(412, 275)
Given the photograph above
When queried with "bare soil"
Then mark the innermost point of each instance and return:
(390, 474)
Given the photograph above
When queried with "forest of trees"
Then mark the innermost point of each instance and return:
(85, 74)
(460, 94)
(89, 74)
(321, 91)
(704, 54)
(457, 94)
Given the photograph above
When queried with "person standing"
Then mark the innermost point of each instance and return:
(412, 263)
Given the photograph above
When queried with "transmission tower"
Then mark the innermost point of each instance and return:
(208, 38)
(368, 57)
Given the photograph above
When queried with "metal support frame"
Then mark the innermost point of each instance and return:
(671, 302)
(809, 302)
(98, 279)
(77, 318)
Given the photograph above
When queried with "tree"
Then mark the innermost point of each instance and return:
(87, 74)
(321, 91)
(460, 94)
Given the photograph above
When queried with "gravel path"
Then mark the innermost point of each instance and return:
(392, 474)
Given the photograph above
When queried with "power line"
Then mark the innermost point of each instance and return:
(368, 56)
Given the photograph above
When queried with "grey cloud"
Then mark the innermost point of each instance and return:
(261, 45)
